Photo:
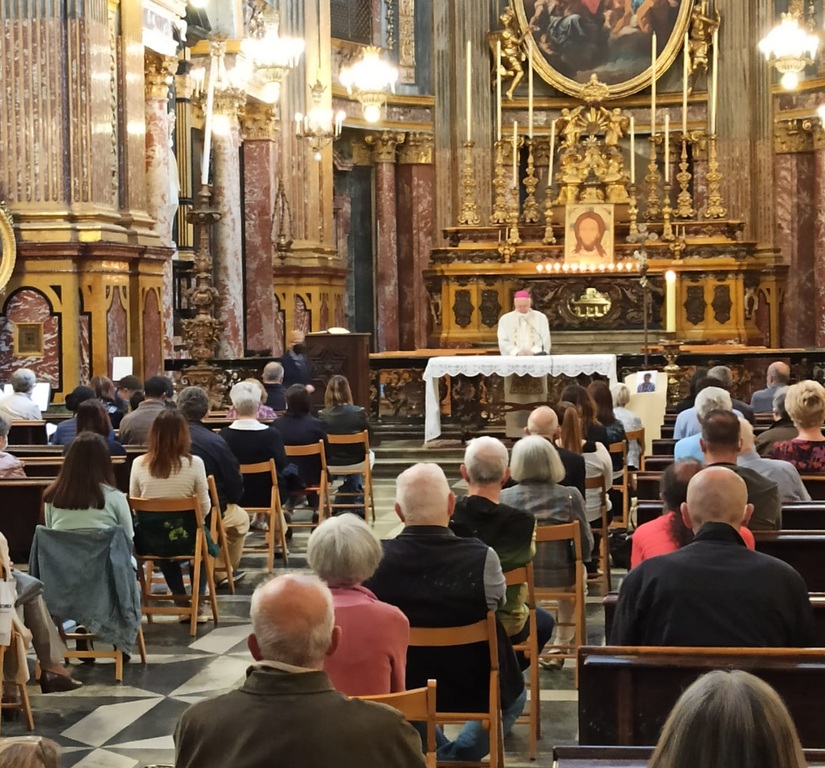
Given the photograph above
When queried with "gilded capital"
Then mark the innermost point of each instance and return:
(158, 73)
(230, 102)
(259, 122)
(384, 145)
(417, 149)
(793, 135)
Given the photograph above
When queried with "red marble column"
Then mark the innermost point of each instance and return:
(416, 220)
(259, 188)
(386, 228)
(818, 248)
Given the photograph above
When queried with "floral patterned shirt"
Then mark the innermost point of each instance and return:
(806, 455)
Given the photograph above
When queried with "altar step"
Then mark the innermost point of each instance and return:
(392, 457)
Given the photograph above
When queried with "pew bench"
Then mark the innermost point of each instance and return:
(802, 550)
(575, 756)
(21, 512)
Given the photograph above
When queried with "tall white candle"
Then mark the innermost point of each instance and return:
(207, 128)
(670, 301)
(715, 82)
(653, 85)
(530, 97)
(469, 96)
(667, 149)
(498, 90)
(515, 154)
(632, 150)
(685, 80)
(552, 153)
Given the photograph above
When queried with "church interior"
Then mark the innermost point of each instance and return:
(185, 185)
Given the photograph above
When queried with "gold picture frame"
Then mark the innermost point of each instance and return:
(28, 340)
(8, 246)
(635, 78)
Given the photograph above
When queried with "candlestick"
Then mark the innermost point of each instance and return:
(715, 209)
(684, 203)
(632, 150)
(667, 211)
(531, 207)
(685, 79)
(498, 90)
(529, 95)
(633, 213)
(652, 209)
(714, 81)
(515, 156)
(552, 154)
(207, 128)
(667, 149)
(499, 215)
(469, 96)
(653, 86)
(469, 208)
(670, 301)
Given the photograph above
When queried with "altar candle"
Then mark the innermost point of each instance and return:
(685, 78)
(498, 90)
(530, 96)
(552, 153)
(714, 81)
(469, 96)
(632, 150)
(653, 85)
(670, 300)
(515, 154)
(667, 149)
(207, 128)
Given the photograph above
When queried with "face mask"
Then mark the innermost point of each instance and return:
(298, 349)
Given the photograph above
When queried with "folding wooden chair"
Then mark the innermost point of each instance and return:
(417, 706)
(530, 649)
(322, 488)
(639, 436)
(363, 468)
(620, 449)
(189, 506)
(90, 653)
(276, 523)
(603, 530)
(483, 631)
(218, 534)
(24, 702)
(568, 534)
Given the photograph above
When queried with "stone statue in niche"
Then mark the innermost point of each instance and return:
(174, 180)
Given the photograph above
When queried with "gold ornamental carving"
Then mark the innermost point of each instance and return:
(384, 145)
(406, 35)
(259, 122)
(512, 53)
(361, 154)
(159, 72)
(418, 149)
(8, 247)
(798, 135)
(591, 303)
(230, 102)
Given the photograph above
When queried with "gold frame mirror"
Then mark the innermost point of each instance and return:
(8, 246)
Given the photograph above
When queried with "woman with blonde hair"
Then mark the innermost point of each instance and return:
(631, 421)
(805, 404)
(729, 719)
(29, 752)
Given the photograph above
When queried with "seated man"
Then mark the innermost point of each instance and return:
(725, 375)
(544, 422)
(273, 380)
(714, 591)
(440, 580)
(287, 712)
(709, 399)
(19, 406)
(134, 428)
(779, 374)
(688, 422)
(782, 428)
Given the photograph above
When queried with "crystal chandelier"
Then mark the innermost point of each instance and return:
(320, 125)
(790, 48)
(369, 78)
(272, 54)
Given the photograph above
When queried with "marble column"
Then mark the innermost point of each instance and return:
(228, 242)
(416, 211)
(384, 147)
(818, 249)
(259, 189)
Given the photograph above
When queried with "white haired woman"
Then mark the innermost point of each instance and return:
(264, 411)
(371, 658)
(630, 420)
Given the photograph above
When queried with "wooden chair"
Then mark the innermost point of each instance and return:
(483, 631)
(218, 533)
(417, 706)
(90, 653)
(24, 702)
(363, 468)
(568, 534)
(620, 449)
(639, 436)
(597, 483)
(276, 523)
(322, 488)
(191, 506)
(529, 647)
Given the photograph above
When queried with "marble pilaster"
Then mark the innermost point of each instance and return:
(818, 246)
(260, 186)
(384, 147)
(228, 242)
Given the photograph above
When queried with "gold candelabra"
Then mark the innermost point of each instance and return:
(633, 211)
(684, 203)
(652, 210)
(469, 209)
(500, 213)
(715, 209)
(549, 238)
(531, 207)
(667, 212)
(513, 235)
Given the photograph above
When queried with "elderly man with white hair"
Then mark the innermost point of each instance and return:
(19, 406)
(709, 399)
(287, 711)
(440, 580)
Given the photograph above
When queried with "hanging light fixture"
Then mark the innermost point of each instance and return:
(369, 78)
(272, 55)
(790, 47)
(320, 125)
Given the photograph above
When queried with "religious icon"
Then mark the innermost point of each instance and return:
(645, 382)
(588, 234)
(612, 39)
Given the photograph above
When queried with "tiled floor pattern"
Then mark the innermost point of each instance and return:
(106, 725)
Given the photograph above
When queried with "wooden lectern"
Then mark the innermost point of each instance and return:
(347, 354)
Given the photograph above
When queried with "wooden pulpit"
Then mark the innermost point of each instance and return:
(347, 354)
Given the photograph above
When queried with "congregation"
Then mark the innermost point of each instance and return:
(167, 505)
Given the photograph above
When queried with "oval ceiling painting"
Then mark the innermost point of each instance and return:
(612, 39)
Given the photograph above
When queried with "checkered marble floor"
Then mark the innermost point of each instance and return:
(106, 725)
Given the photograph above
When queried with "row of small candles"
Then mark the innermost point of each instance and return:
(576, 266)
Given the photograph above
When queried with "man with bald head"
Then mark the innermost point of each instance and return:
(714, 591)
(441, 580)
(287, 712)
(779, 374)
(544, 422)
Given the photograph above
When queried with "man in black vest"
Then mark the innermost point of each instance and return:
(440, 580)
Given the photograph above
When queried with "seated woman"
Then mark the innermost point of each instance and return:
(371, 658)
(600, 394)
(264, 411)
(168, 470)
(10, 466)
(66, 430)
(92, 417)
(805, 404)
(253, 442)
(668, 532)
(341, 417)
(107, 394)
(631, 422)
(592, 429)
(536, 467)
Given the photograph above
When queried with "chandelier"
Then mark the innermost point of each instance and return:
(790, 48)
(320, 125)
(271, 54)
(369, 78)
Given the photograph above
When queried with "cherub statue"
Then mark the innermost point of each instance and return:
(617, 125)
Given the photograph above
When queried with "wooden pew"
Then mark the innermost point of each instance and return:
(647, 486)
(21, 512)
(28, 432)
(49, 467)
(658, 463)
(815, 485)
(802, 550)
(625, 694)
(663, 447)
(804, 516)
(575, 756)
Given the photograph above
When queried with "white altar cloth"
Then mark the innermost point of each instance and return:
(486, 365)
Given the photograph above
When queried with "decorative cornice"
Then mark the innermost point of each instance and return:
(361, 154)
(417, 149)
(384, 145)
(798, 135)
(158, 73)
(259, 122)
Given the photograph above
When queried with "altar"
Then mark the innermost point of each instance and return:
(488, 365)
